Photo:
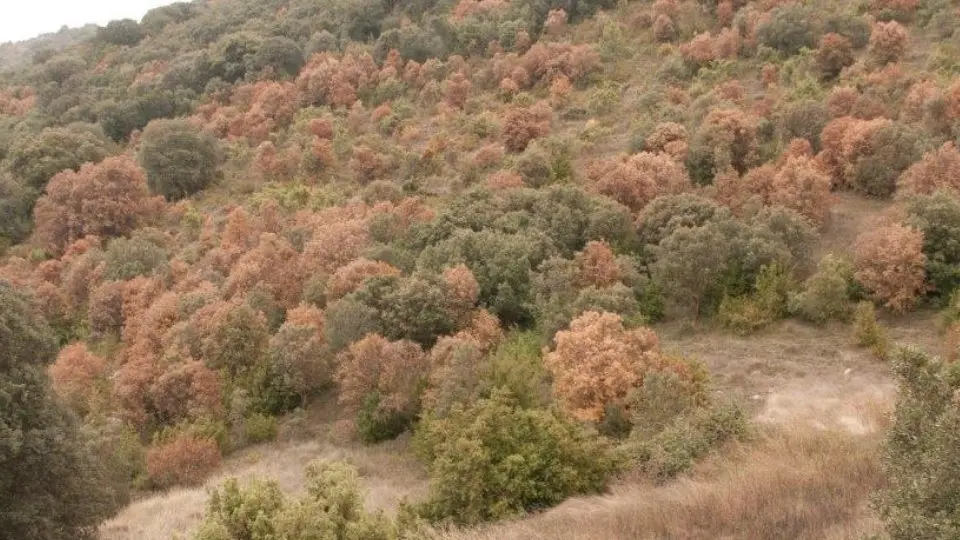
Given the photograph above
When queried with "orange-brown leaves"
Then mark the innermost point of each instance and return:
(889, 263)
(522, 125)
(461, 284)
(186, 391)
(800, 185)
(76, 376)
(888, 42)
(333, 246)
(834, 54)
(351, 277)
(636, 180)
(668, 138)
(597, 361)
(457, 90)
(598, 265)
(939, 169)
(185, 460)
(105, 199)
(272, 266)
(393, 369)
(17, 101)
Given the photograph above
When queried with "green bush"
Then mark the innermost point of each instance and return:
(938, 217)
(517, 366)
(767, 303)
(789, 29)
(920, 455)
(677, 448)
(495, 459)
(853, 27)
(128, 258)
(375, 425)
(826, 294)
(260, 428)
(332, 509)
(867, 332)
(179, 158)
(892, 150)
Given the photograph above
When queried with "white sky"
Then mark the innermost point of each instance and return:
(23, 19)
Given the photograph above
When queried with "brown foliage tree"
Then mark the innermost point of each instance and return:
(889, 263)
(636, 180)
(189, 390)
(298, 351)
(597, 362)
(939, 169)
(888, 42)
(183, 461)
(457, 90)
(105, 199)
(522, 125)
(799, 185)
(333, 246)
(105, 310)
(834, 54)
(272, 267)
(597, 265)
(393, 369)
(75, 376)
(668, 138)
(351, 277)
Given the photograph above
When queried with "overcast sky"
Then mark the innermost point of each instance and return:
(23, 19)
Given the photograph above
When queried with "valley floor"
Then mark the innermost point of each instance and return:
(818, 399)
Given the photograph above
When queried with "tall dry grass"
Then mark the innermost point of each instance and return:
(389, 473)
(806, 484)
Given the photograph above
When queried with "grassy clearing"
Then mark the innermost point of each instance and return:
(805, 484)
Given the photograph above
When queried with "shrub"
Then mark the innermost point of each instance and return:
(597, 361)
(332, 508)
(35, 159)
(867, 331)
(179, 159)
(804, 120)
(767, 303)
(918, 457)
(888, 42)
(853, 27)
(298, 352)
(493, 460)
(889, 263)
(260, 428)
(789, 29)
(727, 139)
(676, 448)
(106, 200)
(184, 460)
(663, 29)
(826, 294)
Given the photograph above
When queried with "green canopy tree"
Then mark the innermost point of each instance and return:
(52, 486)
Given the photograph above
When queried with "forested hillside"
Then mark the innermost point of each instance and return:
(485, 232)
